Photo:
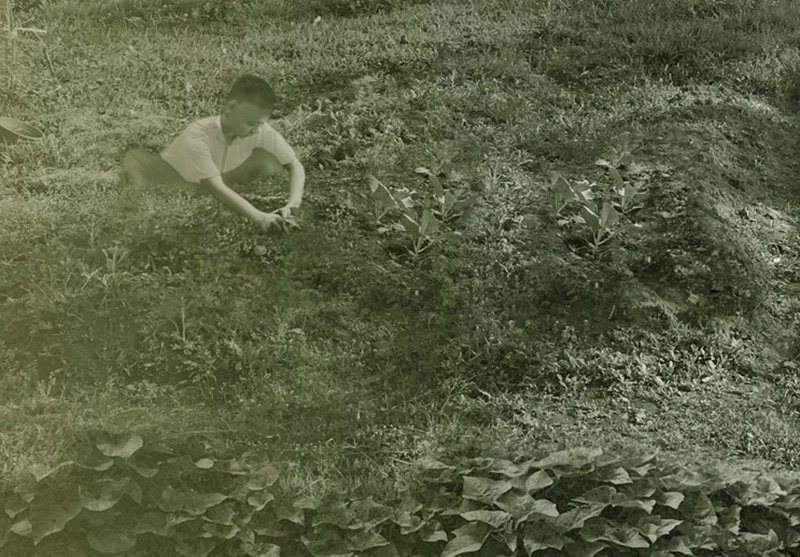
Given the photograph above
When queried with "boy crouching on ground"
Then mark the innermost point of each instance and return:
(236, 147)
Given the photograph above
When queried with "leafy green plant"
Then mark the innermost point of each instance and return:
(565, 193)
(604, 223)
(630, 196)
(383, 201)
(136, 499)
(421, 228)
(421, 233)
(450, 205)
(621, 156)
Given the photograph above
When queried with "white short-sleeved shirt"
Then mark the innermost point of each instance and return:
(201, 151)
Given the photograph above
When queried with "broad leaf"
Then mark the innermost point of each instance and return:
(538, 481)
(618, 183)
(576, 518)
(428, 225)
(199, 547)
(204, 464)
(141, 469)
(220, 531)
(675, 544)
(111, 541)
(50, 513)
(326, 544)
(493, 518)
(16, 503)
(370, 513)
(221, 514)
(95, 461)
(655, 527)
(432, 532)
(363, 541)
(583, 549)
(263, 478)
(671, 499)
(469, 538)
(438, 190)
(484, 490)
(608, 218)
(540, 535)
(123, 447)
(103, 494)
(189, 501)
(697, 505)
(339, 517)
(260, 499)
(590, 218)
(599, 529)
(410, 226)
(570, 458)
(603, 495)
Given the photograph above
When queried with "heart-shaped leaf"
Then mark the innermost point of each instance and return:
(51, 512)
(671, 499)
(326, 544)
(654, 527)
(199, 547)
(484, 490)
(189, 500)
(263, 478)
(260, 499)
(582, 549)
(576, 518)
(103, 494)
(538, 481)
(468, 539)
(111, 541)
(540, 535)
(364, 541)
(121, 447)
(494, 518)
(432, 532)
(16, 503)
(600, 529)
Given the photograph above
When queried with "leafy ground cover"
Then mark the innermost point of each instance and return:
(334, 351)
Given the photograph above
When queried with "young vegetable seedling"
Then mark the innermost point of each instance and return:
(630, 196)
(449, 205)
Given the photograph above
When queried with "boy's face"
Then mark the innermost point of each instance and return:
(243, 118)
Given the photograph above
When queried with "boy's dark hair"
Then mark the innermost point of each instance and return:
(253, 89)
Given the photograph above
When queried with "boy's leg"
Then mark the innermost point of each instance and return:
(143, 168)
(259, 164)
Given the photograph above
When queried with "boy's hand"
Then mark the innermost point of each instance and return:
(286, 213)
(270, 221)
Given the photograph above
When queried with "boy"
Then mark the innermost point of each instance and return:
(237, 147)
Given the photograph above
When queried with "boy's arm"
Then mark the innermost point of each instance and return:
(297, 180)
(238, 204)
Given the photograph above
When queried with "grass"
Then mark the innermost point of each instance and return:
(164, 314)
